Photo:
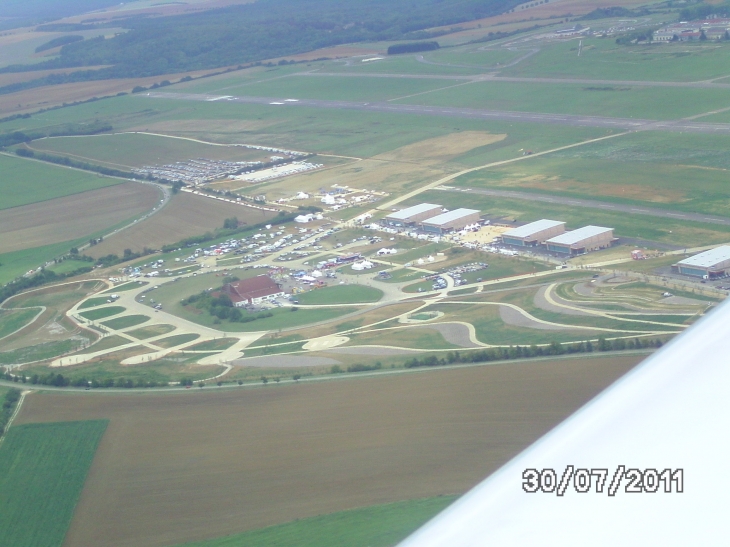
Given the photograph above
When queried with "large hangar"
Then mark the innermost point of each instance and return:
(453, 220)
(534, 233)
(581, 241)
(712, 263)
(412, 215)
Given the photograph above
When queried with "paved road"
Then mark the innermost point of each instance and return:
(623, 124)
(593, 204)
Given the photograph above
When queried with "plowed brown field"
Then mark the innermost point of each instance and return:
(73, 217)
(204, 463)
(184, 216)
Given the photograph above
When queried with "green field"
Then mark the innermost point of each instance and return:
(416, 338)
(136, 150)
(12, 320)
(92, 302)
(44, 469)
(376, 526)
(100, 313)
(475, 57)
(26, 181)
(149, 332)
(214, 345)
(602, 58)
(341, 294)
(38, 352)
(618, 100)
(130, 285)
(176, 340)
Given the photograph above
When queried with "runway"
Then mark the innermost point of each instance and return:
(623, 124)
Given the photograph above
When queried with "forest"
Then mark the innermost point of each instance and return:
(262, 30)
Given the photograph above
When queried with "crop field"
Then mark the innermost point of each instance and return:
(45, 468)
(250, 477)
(129, 150)
(184, 216)
(74, 217)
(26, 181)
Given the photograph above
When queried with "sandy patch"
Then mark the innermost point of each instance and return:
(454, 333)
(326, 342)
(284, 361)
(441, 149)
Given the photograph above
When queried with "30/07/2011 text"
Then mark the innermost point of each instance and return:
(638, 481)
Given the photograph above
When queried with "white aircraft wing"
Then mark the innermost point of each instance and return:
(661, 433)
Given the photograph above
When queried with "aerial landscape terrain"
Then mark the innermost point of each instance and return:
(303, 272)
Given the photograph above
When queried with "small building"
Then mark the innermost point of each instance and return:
(712, 263)
(453, 220)
(412, 215)
(534, 233)
(252, 291)
(581, 241)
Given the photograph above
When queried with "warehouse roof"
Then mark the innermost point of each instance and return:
(576, 236)
(445, 218)
(407, 213)
(533, 227)
(708, 258)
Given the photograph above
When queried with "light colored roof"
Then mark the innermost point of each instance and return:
(407, 213)
(576, 236)
(533, 227)
(708, 258)
(445, 218)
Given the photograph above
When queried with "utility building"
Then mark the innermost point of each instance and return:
(534, 233)
(453, 220)
(712, 263)
(581, 241)
(412, 215)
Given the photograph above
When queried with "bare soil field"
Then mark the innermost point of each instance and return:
(441, 149)
(203, 463)
(184, 216)
(73, 217)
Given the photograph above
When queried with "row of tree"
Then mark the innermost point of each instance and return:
(522, 352)
(9, 401)
(221, 307)
(59, 380)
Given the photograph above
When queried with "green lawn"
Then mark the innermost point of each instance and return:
(44, 469)
(283, 318)
(128, 286)
(92, 302)
(25, 181)
(152, 330)
(107, 342)
(126, 321)
(12, 320)
(219, 344)
(17, 263)
(100, 313)
(341, 294)
(176, 340)
(417, 338)
(376, 526)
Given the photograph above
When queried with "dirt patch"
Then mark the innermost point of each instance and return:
(512, 317)
(196, 127)
(441, 149)
(73, 217)
(206, 463)
(284, 361)
(542, 303)
(454, 333)
(184, 216)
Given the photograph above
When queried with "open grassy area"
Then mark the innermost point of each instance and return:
(45, 467)
(126, 321)
(417, 338)
(100, 313)
(176, 340)
(25, 181)
(37, 352)
(17, 263)
(107, 342)
(93, 302)
(12, 320)
(341, 294)
(214, 345)
(128, 286)
(376, 526)
(602, 58)
(152, 330)
(282, 318)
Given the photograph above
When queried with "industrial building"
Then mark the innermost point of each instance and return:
(453, 220)
(252, 291)
(712, 263)
(581, 241)
(534, 233)
(412, 215)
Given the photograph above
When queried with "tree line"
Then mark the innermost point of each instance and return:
(412, 47)
(523, 352)
(221, 307)
(59, 380)
(9, 401)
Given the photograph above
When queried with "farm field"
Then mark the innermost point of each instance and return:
(74, 217)
(185, 215)
(46, 466)
(500, 409)
(129, 150)
(26, 181)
